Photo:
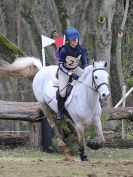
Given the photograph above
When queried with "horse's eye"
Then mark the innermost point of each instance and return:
(96, 77)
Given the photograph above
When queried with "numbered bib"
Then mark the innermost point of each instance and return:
(72, 62)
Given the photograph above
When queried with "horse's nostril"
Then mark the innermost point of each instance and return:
(103, 95)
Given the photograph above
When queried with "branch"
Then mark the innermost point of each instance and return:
(11, 46)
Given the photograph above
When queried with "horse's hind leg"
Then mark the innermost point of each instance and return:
(46, 110)
(81, 142)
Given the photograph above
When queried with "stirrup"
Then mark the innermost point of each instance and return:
(59, 116)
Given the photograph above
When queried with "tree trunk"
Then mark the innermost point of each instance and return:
(63, 16)
(119, 47)
(104, 33)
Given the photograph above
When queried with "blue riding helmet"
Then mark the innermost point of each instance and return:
(72, 33)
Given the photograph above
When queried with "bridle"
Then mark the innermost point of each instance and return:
(94, 82)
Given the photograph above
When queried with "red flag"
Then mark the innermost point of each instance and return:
(59, 41)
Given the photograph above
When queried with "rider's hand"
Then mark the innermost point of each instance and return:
(74, 76)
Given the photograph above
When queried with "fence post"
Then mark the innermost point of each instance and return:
(123, 105)
(36, 135)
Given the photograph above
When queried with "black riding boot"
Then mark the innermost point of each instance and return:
(60, 104)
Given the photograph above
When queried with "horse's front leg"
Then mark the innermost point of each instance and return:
(99, 132)
(81, 142)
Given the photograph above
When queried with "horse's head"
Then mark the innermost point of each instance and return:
(100, 79)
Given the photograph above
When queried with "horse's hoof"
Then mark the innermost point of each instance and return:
(61, 144)
(84, 158)
(93, 145)
(67, 159)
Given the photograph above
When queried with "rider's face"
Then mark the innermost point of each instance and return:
(74, 42)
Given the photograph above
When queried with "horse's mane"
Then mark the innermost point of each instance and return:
(89, 69)
(86, 72)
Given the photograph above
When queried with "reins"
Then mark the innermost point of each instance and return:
(87, 85)
(93, 81)
(59, 92)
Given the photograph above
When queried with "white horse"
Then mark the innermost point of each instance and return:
(82, 104)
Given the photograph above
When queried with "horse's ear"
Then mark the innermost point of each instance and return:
(93, 61)
(105, 64)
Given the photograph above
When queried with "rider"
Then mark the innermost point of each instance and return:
(70, 55)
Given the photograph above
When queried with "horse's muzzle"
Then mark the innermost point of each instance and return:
(105, 96)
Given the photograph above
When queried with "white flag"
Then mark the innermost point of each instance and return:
(47, 41)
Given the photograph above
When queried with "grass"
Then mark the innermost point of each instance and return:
(112, 154)
(101, 154)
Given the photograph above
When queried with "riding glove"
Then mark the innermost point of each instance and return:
(74, 76)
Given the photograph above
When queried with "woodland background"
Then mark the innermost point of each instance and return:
(106, 28)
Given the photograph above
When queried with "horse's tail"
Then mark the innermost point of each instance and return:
(21, 67)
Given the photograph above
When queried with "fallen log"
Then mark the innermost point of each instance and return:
(13, 141)
(114, 140)
(30, 111)
(118, 113)
(24, 111)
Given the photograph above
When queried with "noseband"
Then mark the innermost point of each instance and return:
(94, 82)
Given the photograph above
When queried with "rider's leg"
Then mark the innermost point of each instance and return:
(63, 80)
(60, 104)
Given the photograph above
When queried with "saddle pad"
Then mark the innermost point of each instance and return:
(50, 91)
(50, 94)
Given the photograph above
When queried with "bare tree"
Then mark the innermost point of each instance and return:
(119, 46)
(104, 32)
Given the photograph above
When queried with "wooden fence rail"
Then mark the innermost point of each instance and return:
(24, 111)
(30, 111)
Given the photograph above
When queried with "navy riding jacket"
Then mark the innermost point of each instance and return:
(68, 50)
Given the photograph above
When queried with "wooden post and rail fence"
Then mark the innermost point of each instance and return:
(123, 102)
(30, 111)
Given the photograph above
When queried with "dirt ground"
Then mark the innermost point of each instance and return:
(38, 164)
(40, 167)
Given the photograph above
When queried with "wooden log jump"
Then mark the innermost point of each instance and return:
(118, 113)
(25, 111)
(30, 111)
